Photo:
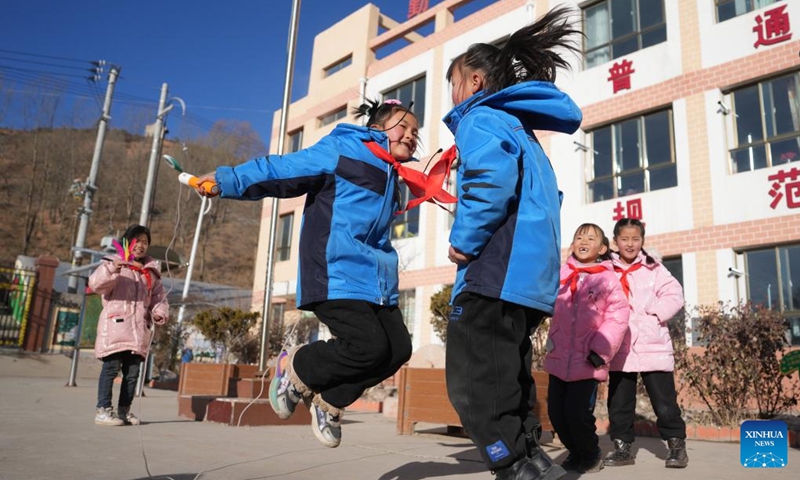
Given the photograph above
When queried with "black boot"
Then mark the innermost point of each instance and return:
(621, 455)
(533, 439)
(540, 467)
(677, 457)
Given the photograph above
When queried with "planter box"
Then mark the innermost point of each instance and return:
(201, 383)
(423, 398)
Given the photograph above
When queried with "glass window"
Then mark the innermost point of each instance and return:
(276, 321)
(767, 119)
(408, 307)
(295, 141)
(727, 9)
(333, 116)
(407, 224)
(283, 247)
(773, 280)
(632, 156)
(345, 62)
(677, 324)
(408, 92)
(615, 28)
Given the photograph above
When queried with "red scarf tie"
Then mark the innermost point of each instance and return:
(575, 275)
(146, 273)
(626, 287)
(426, 187)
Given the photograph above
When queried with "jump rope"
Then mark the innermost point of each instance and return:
(213, 190)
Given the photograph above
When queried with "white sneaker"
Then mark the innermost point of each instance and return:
(127, 416)
(105, 416)
(327, 428)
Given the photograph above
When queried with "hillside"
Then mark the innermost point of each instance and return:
(42, 199)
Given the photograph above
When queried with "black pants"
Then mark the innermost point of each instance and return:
(370, 344)
(129, 363)
(622, 404)
(570, 406)
(488, 369)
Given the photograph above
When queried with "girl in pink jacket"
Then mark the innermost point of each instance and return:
(655, 296)
(133, 300)
(587, 328)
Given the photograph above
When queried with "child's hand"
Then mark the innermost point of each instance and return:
(201, 180)
(456, 256)
(118, 263)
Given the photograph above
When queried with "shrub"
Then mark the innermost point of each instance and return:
(231, 329)
(739, 366)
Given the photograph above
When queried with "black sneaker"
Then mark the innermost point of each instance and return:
(572, 463)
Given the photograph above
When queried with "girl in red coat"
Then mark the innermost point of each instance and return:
(589, 322)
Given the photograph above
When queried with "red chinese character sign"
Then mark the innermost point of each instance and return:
(631, 209)
(621, 75)
(773, 28)
(415, 7)
(790, 181)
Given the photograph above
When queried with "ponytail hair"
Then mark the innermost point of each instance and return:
(527, 55)
(636, 223)
(377, 112)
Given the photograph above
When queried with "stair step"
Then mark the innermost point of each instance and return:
(229, 411)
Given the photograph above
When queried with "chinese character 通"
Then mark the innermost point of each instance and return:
(633, 207)
(774, 29)
(621, 75)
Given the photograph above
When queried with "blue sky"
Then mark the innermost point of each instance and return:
(225, 59)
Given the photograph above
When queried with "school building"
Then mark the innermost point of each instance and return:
(691, 123)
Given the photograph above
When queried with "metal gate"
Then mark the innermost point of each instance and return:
(16, 292)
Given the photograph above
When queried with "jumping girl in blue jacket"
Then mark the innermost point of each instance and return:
(506, 237)
(347, 265)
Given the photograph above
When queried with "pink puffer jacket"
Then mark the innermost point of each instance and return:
(595, 319)
(655, 297)
(131, 304)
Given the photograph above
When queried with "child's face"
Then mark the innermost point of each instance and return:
(403, 131)
(140, 249)
(587, 245)
(464, 83)
(630, 242)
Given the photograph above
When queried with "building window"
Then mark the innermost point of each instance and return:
(413, 90)
(615, 28)
(278, 310)
(408, 307)
(337, 114)
(407, 224)
(767, 119)
(295, 142)
(632, 156)
(773, 280)
(284, 246)
(343, 63)
(677, 324)
(727, 9)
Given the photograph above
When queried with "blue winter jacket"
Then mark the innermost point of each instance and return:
(508, 215)
(345, 246)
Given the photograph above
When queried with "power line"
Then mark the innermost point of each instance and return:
(15, 52)
(94, 70)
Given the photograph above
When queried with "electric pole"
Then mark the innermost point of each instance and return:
(90, 187)
(155, 153)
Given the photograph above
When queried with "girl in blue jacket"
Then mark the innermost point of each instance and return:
(347, 265)
(506, 237)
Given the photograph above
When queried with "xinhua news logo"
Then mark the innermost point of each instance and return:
(764, 444)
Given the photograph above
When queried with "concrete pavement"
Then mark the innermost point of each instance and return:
(47, 432)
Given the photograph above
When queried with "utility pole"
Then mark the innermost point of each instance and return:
(266, 312)
(155, 153)
(90, 188)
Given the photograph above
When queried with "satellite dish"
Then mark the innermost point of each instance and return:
(165, 256)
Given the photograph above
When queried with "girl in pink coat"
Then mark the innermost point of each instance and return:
(133, 300)
(655, 296)
(589, 322)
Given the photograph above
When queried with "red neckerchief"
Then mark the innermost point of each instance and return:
(146, 273)
(573, 277)
(427, 188)
(626, 287)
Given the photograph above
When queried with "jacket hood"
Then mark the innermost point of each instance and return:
(539, 105)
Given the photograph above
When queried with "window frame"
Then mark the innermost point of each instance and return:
(418, 109)
(283, 252)
(766, 141)
(637, 32)
(787, 313)
(748, 8)
(617, 172)
(337, 66)
(403, 196)
(291, 140)
(333, 116)
(409, 311)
